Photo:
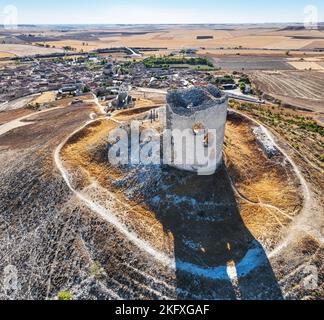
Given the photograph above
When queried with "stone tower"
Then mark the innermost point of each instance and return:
(196, 114)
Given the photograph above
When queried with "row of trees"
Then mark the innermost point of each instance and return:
(44, 45)
(154, 62)
(227, 79)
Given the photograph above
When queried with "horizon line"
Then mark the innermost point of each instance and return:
(157, 24)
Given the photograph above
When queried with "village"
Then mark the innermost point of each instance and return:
(104, 76)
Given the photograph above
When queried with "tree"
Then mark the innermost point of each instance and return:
(68, 48)
(86, 89)
(242, 86)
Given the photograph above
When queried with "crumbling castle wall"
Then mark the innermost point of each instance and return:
(199, 110)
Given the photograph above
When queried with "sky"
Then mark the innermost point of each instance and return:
(158, 12)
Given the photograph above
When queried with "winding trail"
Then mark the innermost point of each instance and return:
(18, 103)
(17, 123)
(220, 272)
(257, 203)
(134, 54)
(106, 214)
(307, 194)
(98, 104)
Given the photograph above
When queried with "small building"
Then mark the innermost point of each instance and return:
(247, 88)
(229, 86)
(123, 99)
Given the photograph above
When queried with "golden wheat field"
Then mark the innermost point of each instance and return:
(171, 37)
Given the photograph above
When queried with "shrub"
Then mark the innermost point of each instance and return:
(242, 86)
(86, 89)
(64, 295)
(227, 79)
(97, 270)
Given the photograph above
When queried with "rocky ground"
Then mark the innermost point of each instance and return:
(102, 233)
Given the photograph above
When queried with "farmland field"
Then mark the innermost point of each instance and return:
(303, 89)
(245, 38)
(24, 50)
(4, 54)
(307, 65)
(175, 37)
(215, 53)
(252, 63)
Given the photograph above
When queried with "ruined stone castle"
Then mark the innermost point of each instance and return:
(198, 112)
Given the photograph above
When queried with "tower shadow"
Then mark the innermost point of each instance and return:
(216, 255)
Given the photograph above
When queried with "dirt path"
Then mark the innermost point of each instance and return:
(20, 122)
(33, 221)
(309, 202)
(232, 271)
(103, 212)
(18, 103)
(98, 104)
(145, 246)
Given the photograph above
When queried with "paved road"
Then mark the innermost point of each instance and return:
(134, 54)
(245, 98)
(149, 90)
(231, 95)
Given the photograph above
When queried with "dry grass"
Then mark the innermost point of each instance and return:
(306, 65)
(141, 106)
(251, 53)
(178, 38)
(4, 54)
(65, 102)
(45, 97)
(130, 114)
(303, 89)
(262, 182)
(84, 152)
(25, 50)
(78, 151)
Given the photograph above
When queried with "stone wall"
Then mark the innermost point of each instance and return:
(210, 119)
